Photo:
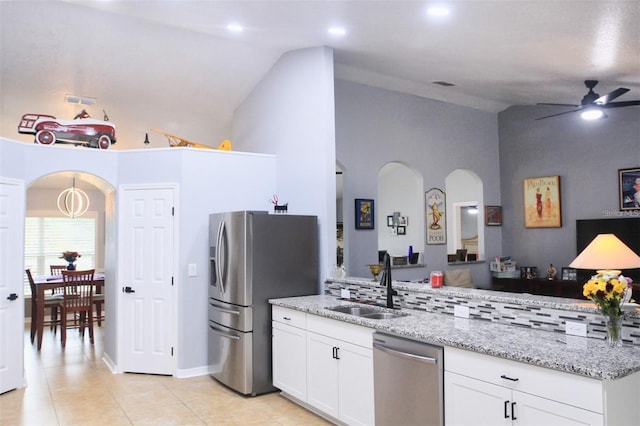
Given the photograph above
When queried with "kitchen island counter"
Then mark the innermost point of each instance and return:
(555, 350)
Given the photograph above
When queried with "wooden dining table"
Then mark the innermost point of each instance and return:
(51, 282)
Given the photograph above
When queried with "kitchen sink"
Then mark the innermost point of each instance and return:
(384, 315)
(369, 312)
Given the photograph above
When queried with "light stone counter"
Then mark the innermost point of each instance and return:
(584, 356)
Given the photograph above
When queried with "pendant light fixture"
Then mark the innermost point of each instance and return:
(73, 202)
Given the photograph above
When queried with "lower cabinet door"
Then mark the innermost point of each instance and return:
(355, 373)
(469, 402)
(530, 410)
(290, 360)
(322, 374)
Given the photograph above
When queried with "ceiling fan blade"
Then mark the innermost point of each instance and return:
(603, 100)
(560, 113)
(621, 104)
(550, 104)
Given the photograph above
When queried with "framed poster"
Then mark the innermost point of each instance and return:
(364, 214)
(542, 207)
(493, 215)
(435, 212)
(629, 188)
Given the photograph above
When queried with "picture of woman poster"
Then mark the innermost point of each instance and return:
(542, 207)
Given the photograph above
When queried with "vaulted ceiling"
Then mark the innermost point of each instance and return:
(174, 65)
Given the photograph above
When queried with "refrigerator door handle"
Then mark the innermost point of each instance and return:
(224, 309)
(222, 333)
(220, 256)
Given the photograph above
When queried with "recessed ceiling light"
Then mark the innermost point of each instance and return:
(438, 10)
(235, 28)
(337, 31)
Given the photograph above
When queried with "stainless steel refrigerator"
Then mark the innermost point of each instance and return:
(254, 256)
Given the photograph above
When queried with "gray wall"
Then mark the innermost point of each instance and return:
(586, 156)
(375, 126)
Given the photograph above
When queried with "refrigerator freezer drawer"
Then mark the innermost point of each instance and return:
(232, 316)
(230, 357)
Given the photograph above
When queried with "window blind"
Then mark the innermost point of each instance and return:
(47, 237)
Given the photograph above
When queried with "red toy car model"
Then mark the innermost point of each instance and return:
(82, 130)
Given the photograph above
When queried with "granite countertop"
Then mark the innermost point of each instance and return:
(579, 355)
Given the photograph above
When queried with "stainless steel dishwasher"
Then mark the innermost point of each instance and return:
(408, 381)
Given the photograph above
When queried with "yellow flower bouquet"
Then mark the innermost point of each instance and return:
(609, 290)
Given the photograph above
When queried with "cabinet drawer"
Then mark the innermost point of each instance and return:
(289, 316)
(356, 334)
(559, 386)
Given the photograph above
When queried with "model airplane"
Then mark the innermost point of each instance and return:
(175, 140)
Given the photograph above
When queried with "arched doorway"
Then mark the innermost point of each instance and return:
(43, 217)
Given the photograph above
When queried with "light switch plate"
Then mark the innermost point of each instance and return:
(576, 329)
(345, 294)
(193, 270)
(461, 311)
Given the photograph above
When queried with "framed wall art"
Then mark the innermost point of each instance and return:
(493, 215)
(629, 188)
(435, 212)
(365, 214)
(542, 208)
(568, 274)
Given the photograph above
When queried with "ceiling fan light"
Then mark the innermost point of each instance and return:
(592, 114)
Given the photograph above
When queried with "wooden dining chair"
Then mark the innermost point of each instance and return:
(52, 302)
(77, 299)
(98, 302)
(57, 270)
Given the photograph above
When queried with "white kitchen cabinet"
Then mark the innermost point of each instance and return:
(486, 390)
(289, 352)
(325, 364)
(340, 370)
(471, 401)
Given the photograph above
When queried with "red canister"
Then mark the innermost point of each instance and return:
(436, 279)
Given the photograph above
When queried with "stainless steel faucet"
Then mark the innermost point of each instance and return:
(386, 280)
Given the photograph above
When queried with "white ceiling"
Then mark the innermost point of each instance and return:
(498, 53)
(177, 59)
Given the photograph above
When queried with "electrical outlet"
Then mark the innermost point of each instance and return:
(345, 294)
(461, 311)
(576, 329)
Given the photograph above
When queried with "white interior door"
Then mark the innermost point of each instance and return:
(11, 279)
(146, 249)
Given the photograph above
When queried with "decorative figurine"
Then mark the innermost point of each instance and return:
(551, 272)
(82, 130)
(175, 140)
(278, 208)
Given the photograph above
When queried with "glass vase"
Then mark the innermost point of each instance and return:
(614, 330)
(71, 267)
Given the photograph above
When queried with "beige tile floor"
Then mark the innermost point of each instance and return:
(74, 387)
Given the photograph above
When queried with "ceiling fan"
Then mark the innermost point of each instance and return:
(592, 103)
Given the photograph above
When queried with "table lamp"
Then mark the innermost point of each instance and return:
(606, 254)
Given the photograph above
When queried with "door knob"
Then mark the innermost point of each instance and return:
(128, 290)
(12, 296)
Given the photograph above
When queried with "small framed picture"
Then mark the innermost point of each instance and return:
(403, 221)
(629, 188)
(493, 215)
(389, 220)
(461, 255)
(365, 214)
(568, 274)
(402, 230)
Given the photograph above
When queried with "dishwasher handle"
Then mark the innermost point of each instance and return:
(419, 358)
